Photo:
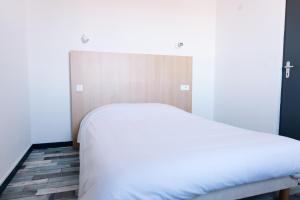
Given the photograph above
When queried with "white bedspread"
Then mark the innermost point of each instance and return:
(158, 152)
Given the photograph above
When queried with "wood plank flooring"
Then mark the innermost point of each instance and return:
(47, 174)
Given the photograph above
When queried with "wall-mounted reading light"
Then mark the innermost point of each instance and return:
(179, 45)
(85, 39)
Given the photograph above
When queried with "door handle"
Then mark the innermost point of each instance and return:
(288, 68)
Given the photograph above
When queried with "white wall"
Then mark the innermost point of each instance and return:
(14, 101)
(245, 49)
(249, 50)
(139, 26)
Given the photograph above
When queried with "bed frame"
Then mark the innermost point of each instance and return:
(98, 79)
(270, 186)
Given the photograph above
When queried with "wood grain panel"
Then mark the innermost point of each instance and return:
(127, 78)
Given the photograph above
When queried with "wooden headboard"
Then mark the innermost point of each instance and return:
(98, 79)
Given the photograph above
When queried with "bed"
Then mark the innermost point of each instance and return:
(139, 140)
(159, 152)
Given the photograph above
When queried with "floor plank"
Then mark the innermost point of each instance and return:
(54, 190)
(47, 174)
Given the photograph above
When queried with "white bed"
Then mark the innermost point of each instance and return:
(159, 152)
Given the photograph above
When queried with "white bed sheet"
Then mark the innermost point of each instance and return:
(158, 152)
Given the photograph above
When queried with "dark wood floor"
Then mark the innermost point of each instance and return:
(46, 175)
(54, 174)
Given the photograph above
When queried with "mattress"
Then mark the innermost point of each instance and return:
(159, 152)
